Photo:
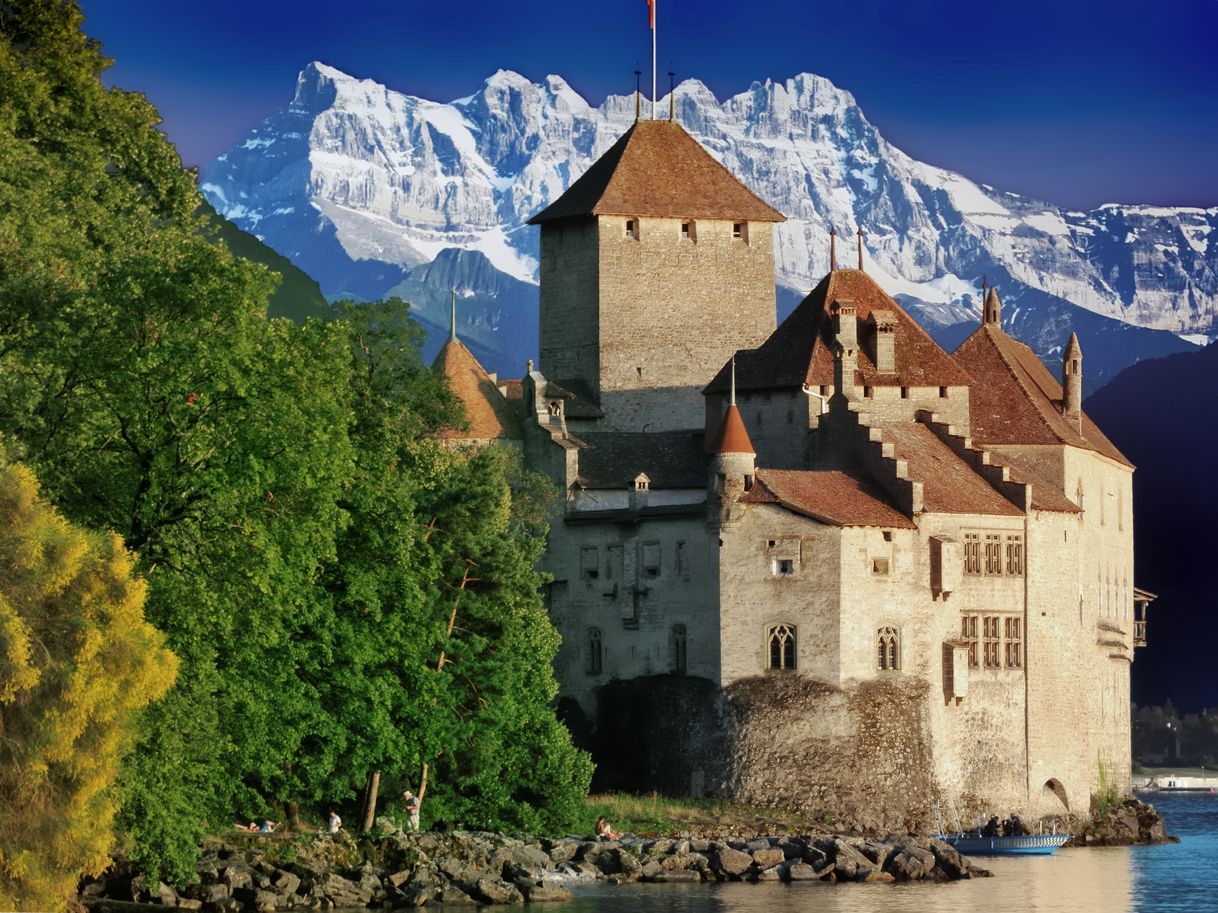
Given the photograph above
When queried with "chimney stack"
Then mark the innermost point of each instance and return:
(845, 357)
(885, 324)
(832, 249)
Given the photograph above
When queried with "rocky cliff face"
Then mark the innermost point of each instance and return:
(359, 184)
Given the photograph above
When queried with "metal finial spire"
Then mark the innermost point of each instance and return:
(452, 318)
(638, 92)
(732, 401)
(832, 248)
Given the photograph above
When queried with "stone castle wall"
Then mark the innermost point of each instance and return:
(672, 311)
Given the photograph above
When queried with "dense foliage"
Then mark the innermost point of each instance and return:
(304, 540)
(77, 661)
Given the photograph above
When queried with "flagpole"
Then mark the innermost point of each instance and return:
(654, 4)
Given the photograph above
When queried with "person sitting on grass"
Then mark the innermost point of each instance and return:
(605, 831)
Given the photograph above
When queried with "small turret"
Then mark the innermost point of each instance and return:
(991, 311)
(1072, 383)
(732, 465)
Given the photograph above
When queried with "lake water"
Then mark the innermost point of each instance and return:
(1176, 878)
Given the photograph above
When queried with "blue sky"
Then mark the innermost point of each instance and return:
(1077, 102)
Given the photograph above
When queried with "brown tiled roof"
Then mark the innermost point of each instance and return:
(732, 436)
(1045, 495)
(488, 411)
(1015, 400)
(657, 169)
(800, 351)
(671, 459)
(949, 485)
(830, 496)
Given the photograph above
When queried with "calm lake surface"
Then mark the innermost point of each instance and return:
(1177, 878)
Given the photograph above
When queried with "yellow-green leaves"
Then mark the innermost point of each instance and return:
(77, 662)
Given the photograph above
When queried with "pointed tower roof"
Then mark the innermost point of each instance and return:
(487, 410)
(657, 169)
(1014, 399)
(991, 311)
(800, 351)
(1073, 349)
(732, 436)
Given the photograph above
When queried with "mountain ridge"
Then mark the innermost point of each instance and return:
(360, 184)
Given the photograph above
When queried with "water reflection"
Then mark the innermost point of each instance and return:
(1071, 880)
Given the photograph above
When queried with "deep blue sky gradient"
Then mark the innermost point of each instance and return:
(1077, 102)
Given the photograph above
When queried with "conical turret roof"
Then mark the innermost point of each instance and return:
(732, 436)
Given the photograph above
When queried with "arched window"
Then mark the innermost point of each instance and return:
(889, 643)
(676, 648)
(782, 646)
(595, 651)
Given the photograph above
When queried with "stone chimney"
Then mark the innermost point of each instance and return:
(991, 311)
(845, 357)
(640, 485)
(1072, 383)
(884, 325)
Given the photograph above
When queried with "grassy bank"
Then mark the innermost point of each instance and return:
(656, 815)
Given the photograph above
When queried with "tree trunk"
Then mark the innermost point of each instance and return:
(374, 785)
(466, 580)
(291, 816)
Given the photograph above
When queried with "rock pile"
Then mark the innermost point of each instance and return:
(411, 870)
(1129, 823)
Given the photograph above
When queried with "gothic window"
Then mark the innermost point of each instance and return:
(782, 646)
(991, 642)
(972, 553)
(589, 562)
(889, 643)
(968, 633)
(1013, 642)
(993, 553)
(596, 654)
(1015, 555)
(676, 648)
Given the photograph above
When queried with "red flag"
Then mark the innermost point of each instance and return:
(651, 13)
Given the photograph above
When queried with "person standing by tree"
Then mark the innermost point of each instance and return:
(410, 802)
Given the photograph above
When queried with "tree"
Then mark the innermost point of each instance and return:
(145, 385)
(77, 662)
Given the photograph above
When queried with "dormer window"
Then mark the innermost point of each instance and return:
(632, 229)
(688, 230)
(740, 231)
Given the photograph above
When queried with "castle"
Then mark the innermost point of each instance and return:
(822, 564)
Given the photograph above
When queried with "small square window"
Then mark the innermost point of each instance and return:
(943, 392)
(783, 567)
(879, 565)
(632, 228)
(740, 231)
(867, 392)
(688, 231)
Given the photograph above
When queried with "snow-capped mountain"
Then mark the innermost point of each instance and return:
(359, 185)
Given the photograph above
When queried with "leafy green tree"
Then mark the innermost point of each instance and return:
(145, 384)
(77, 663)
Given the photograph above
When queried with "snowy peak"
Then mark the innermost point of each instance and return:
(354, 180)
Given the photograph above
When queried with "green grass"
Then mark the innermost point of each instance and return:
(655, 815)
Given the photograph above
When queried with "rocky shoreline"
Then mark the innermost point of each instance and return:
(401, 870)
